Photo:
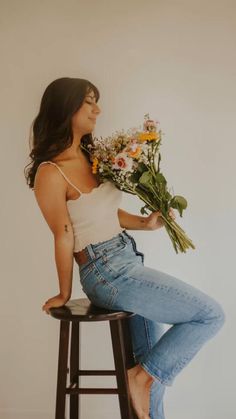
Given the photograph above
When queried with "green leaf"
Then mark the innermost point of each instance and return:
(179, 202)
(160, 178)
(146, 179)
(141, 167)
(168, 195)
(134, 178)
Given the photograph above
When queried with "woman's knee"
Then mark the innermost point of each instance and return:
(217, 313)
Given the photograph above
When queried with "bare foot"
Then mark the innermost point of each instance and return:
(139, 385)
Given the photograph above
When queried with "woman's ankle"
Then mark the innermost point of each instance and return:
(148, 378)
(134, 370)
(139, 371)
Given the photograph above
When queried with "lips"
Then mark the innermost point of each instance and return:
(93, 119)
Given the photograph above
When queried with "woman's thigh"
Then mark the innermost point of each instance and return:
(160, 296)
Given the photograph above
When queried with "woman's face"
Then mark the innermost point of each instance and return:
(84, 120)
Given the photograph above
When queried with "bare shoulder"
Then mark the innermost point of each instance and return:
(47, 176)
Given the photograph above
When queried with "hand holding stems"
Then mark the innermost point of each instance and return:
(155, 221)
(57, 301)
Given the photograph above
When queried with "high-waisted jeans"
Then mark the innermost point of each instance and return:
(114, 277)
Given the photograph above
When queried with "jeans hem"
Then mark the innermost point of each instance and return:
(157, 375)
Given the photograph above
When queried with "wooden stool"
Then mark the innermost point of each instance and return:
(82, 310)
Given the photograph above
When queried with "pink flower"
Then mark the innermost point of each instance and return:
(122, 162)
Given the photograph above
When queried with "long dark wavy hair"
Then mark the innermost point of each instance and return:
(52, 128)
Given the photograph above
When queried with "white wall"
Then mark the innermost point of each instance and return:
(175, 60)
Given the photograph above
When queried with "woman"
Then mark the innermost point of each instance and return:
(88, 226)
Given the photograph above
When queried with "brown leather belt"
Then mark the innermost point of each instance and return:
(81, 256)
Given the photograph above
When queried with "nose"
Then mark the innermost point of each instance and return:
(98, 110)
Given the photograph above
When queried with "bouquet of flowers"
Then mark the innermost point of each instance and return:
(131, 159)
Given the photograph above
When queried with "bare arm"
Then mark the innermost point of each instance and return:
(153, 221)
(132, 221)
(50, 191)
(64, 262)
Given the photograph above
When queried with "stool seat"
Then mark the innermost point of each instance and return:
(70, 316)
(82, 309)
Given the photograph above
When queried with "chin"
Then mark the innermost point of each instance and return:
(89, 132)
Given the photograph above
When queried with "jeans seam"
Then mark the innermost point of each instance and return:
(147, 333)
(186, 301)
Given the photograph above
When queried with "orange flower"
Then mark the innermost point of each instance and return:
(94, 165)
(135, 153)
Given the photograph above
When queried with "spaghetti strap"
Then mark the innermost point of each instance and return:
(63, 174)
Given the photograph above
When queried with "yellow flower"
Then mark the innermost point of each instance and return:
(149, 136)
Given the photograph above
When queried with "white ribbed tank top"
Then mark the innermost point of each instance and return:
(94, 214)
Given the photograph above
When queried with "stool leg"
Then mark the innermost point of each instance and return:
(129, 353)
(130, 359)
(120, 367)
(74, 367)
(62, 369)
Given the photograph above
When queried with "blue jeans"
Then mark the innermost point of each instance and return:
(115, 277)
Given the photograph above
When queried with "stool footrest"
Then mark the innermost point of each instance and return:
(96, 372)
(90, 390)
